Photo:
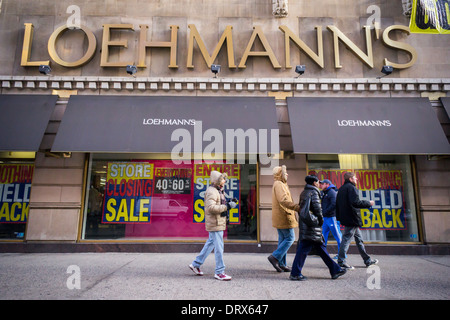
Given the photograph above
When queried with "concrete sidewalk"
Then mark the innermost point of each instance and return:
(167, 276)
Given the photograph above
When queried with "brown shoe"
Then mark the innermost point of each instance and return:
(274, 263)
(285, 269)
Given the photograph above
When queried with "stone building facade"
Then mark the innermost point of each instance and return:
(343, 46)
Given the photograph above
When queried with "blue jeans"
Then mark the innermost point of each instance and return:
(330, 224)
(215, 241)
(286, 238)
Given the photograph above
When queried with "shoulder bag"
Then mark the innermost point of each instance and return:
(306, 216)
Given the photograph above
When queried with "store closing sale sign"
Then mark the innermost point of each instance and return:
(128, 192)
(156, 198)
(15, 187)
(385, 187)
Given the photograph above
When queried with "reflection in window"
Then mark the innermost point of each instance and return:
(156, 199)
(387, 180)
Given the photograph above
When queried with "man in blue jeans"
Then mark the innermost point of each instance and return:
(329, 212)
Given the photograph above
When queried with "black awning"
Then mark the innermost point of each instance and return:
(446, 104)
(23, 120)
(146, 124)
(366, 125)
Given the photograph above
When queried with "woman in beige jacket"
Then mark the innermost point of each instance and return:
(283, 218)
(215, 223)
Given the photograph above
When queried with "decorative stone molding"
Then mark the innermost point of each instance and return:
(407, 7)
(280, 8)
(128, 85)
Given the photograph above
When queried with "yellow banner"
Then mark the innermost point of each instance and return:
(430, 16)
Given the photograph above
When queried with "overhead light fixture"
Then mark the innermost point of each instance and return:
(57, 155)
(387, 70)
(215, 68)
(45, 69)
(300, 70)
(131, 70)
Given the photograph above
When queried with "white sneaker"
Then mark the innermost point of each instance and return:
(197, 271)
(344, 265)
(222, 277)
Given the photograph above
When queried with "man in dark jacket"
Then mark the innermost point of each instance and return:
(347, 212)
(311, 235)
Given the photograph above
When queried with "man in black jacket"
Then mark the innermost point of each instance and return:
(347, 212)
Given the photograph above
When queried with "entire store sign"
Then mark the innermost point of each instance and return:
(15, 187)
(227, 37)
(140, 193)
(202, 173)
(385, 187)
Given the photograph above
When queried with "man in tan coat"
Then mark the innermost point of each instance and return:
(283, 218)
(215, 223)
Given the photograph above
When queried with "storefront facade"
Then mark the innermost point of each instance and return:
(93, 155)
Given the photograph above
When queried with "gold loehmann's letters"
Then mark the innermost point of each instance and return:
(227, 37)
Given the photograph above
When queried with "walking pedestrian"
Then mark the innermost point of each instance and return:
(311, 236)
(283, 218)
(348, 204)
(216, 208)
(329, 212)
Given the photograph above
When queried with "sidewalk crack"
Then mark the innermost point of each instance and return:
(107, 276)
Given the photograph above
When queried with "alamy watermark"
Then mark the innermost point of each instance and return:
(74, 280)
(374, 20)
(374, 280)
(235, 146)
(74, 21)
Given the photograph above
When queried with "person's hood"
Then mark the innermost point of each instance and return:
(280, 173)
(331, 186)
(216, 177)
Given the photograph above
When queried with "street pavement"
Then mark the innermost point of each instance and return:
(166, 276)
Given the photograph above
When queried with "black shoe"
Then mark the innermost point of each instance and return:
(285, 269)
(340, 273)
(298, 278)
(371, 262)
(274, 263)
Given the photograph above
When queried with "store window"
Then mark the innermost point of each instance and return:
(134, 197)
(16, 172)
(385, 179)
